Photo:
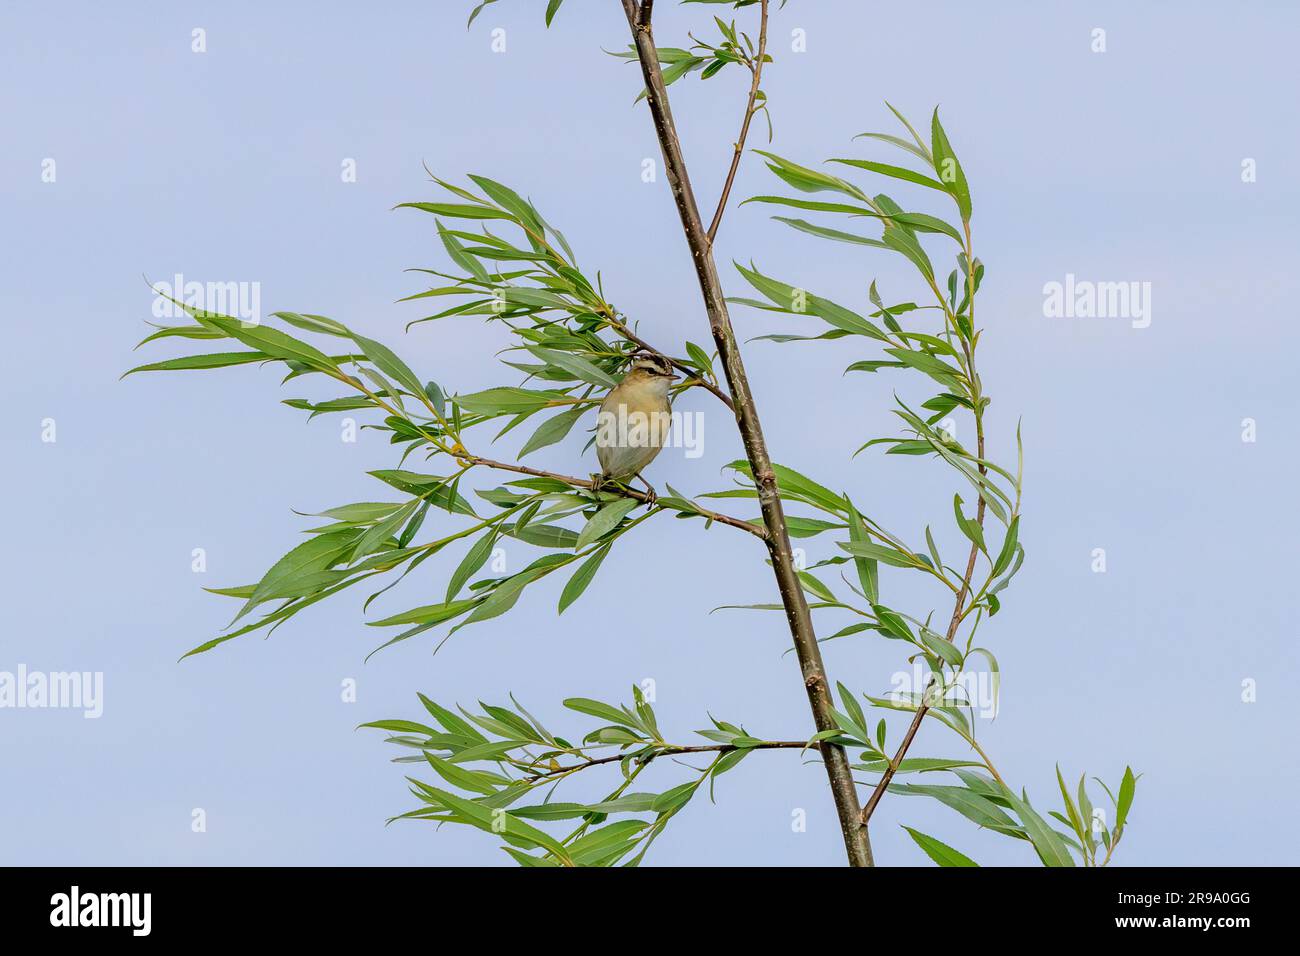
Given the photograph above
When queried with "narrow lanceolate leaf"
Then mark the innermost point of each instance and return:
(791, 483)
(497, 821)
(377, 535)
(604, 521)
(816, 587)
(429, 614)
(211, 360)
(972, 806)
(574, 364)
(457, 210)
(275, 343)
(313, 555)
(1008, 547)
(581, 578)
(1076, 821)
(388, 363)
(1127, 788)
(969, 527)
(314, 323)
(894, 172)
(474, 559)
(936, 368)
(938, 851)
(810, 180)
(1051, 848)
(553, 430)
(507, 401)
(949, 170)
(799, 301)
(878, 552)
(867, 567)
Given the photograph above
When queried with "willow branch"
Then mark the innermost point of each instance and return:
(816, 685)
(757, 70)
(673, 752)
(590, 484)
(692, 374)
(958, 614)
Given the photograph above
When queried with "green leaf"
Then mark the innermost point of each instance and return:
(1051, 848)
(825, 232)
(581, 578)
(1008, 547)
(457, 210)
(553, 430)
(600, 846)
(543, 535)
(271, 341)
(474, 559)
(809, 180)
(552, 811)
(507, 401)
(313, 555)
(502, 598)
(377, 535)
(1075, 820)
(878, 552)
(969, 527)
(497, 821)
(388, 363)
(604, 521)
(867, 567)
(944, 649)
(211, 360)
(936, 368)
(1127, 789)
(574, 364)
(894, 172)
(594, 708)
(949, 170)
(800, 301)
(475, 781)
(429, 614)
(972, 806)
(816, 587)
(314, 323)
(938, 851)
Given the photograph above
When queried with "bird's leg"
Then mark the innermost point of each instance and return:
(651, 495)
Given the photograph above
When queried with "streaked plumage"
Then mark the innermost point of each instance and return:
(632, 426)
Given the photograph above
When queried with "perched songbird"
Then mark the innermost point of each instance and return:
(634, 419)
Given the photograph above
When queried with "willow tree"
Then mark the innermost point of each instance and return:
(497, 767)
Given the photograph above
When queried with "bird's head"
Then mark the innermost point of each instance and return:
(647, 366)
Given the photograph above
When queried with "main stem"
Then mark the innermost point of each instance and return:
(816, 684)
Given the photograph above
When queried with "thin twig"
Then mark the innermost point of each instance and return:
(798, 616)
(964, 591)
(756, 530)
(757, 70)
(673, 752)
(621, 328)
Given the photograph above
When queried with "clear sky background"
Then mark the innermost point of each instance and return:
(225, 166)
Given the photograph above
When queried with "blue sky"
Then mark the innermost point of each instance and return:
(225, 165)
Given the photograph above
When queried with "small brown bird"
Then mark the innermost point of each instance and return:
(634, 419)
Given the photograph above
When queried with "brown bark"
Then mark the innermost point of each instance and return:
(798, 616)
